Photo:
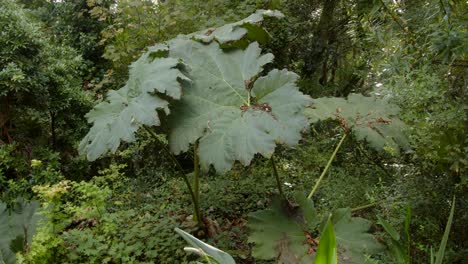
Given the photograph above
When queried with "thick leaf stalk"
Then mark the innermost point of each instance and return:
(327, 166)
(196, 178)
(195, 200)
(278, 181)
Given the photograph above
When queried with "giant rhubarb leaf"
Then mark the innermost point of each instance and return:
(17, 228)
(118, 117)
(354, 243)
(232, 35)
(232, 113)
(369, 118)
(285, 233)
(281, 232)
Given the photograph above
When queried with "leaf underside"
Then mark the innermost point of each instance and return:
(216, 253)
(369, 118)
(211, 108)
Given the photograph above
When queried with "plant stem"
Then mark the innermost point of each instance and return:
(327, 166)
(196, 174)
(195, 201)
(278, 182)
(362, 207)
(207, 258)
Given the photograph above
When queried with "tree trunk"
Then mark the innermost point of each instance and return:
(52, 130)
(320, 41)
(5, 119)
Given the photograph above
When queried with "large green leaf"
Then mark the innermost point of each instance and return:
(369, 118)
(354, 243)
(215, 107)
(118, 117)
(16, 229)
(280, 231)
(232, 34)
(283, 232)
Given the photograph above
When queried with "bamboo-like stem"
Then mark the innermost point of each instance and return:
(327, 166)
(278, 182)
(196, 205)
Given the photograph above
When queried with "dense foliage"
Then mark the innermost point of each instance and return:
(300, 131)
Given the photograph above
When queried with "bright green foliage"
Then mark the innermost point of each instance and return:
(279, 232)
(16, 228)
(207, 251)
(107, 220)
(369, 118)
(232, 34)
(21, 44)
(327, 250)
(39, 82)
(218, 109)
(125, 110)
